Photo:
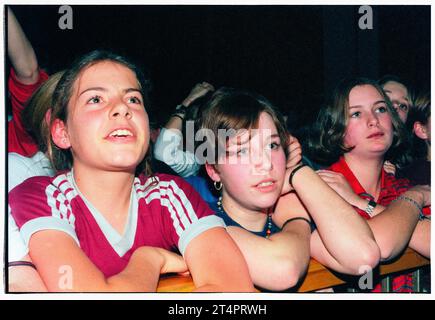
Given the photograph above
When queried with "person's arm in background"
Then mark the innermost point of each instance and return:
(199, 90)
(167, 147)
(24, 79)
(21, 53)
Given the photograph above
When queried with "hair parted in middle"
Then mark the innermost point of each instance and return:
(62, 159)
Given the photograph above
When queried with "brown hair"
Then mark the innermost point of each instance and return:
(33, 115)
(232, 109)
(326, 142)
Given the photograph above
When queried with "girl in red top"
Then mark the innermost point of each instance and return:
(359, 130)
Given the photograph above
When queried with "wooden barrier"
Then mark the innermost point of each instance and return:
(318, 277)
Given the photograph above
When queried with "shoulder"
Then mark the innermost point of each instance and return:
(38, 188)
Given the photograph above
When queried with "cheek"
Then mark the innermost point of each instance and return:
(279, 161)
(234, 175)
(349, 135)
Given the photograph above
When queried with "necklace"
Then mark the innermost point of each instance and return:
(269, 217)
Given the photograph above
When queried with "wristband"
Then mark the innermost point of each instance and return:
(413, 202)
(312, 227)
(181, 109)
(21, 263)
(293, 173)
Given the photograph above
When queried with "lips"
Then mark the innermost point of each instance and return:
(375, 135)
(121, 134)
(266, 185)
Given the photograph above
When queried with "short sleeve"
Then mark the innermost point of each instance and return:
(37, 205)
(187, 214)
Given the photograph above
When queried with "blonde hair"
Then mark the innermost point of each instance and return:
(33, 115)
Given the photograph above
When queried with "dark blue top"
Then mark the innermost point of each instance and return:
(230, 222)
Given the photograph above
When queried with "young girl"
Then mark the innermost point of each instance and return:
(101, 225)
(359, 130)
(249, 168)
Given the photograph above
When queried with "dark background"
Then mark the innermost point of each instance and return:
(293, 55)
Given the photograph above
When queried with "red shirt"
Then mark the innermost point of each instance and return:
(19, 141)
(166, 213)
(391, 188)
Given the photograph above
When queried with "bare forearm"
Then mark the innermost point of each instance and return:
(420, 240)
(20, 52)
(403, 215)
(341, 229)
(276, 263)
(141, 274)
(174, 122)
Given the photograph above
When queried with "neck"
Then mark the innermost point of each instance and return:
(367, 171)
(252, 220)
(109, 192)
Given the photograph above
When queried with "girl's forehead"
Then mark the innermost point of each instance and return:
(103, 72)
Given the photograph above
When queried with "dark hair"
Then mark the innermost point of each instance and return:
(232, 109)
(420, 112)
(62, 159)
(326, 140)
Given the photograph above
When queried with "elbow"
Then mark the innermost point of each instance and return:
(285, 275)
(368, 258)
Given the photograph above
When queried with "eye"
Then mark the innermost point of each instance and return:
(355, 114)
(403, 107)
(381, 109)
(95, 100)
(242, 151)
(135, 100)
(274, 145)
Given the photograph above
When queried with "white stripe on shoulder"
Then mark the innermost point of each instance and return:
(59, 195)
(172, 197)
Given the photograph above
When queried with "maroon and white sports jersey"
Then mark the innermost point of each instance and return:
(165, 212)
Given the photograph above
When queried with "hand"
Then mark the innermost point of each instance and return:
(294, 158)
(424, 194)
(173, 263)
(340, 185)
(295, 152)
(389, 167)
(198, 91)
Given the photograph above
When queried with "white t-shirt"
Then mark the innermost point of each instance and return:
(21, 168)
(168, 149)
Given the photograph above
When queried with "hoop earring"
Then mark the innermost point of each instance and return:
(217, 185)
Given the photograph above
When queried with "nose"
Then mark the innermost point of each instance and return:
(120, 109)
(373, 120)
(262, 161)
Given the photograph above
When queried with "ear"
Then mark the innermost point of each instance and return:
(420, 130)
(59, 134)
(212, 172)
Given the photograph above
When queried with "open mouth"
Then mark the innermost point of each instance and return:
(121, 133)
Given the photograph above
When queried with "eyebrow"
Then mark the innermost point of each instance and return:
(360, 106)
(128, 90)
